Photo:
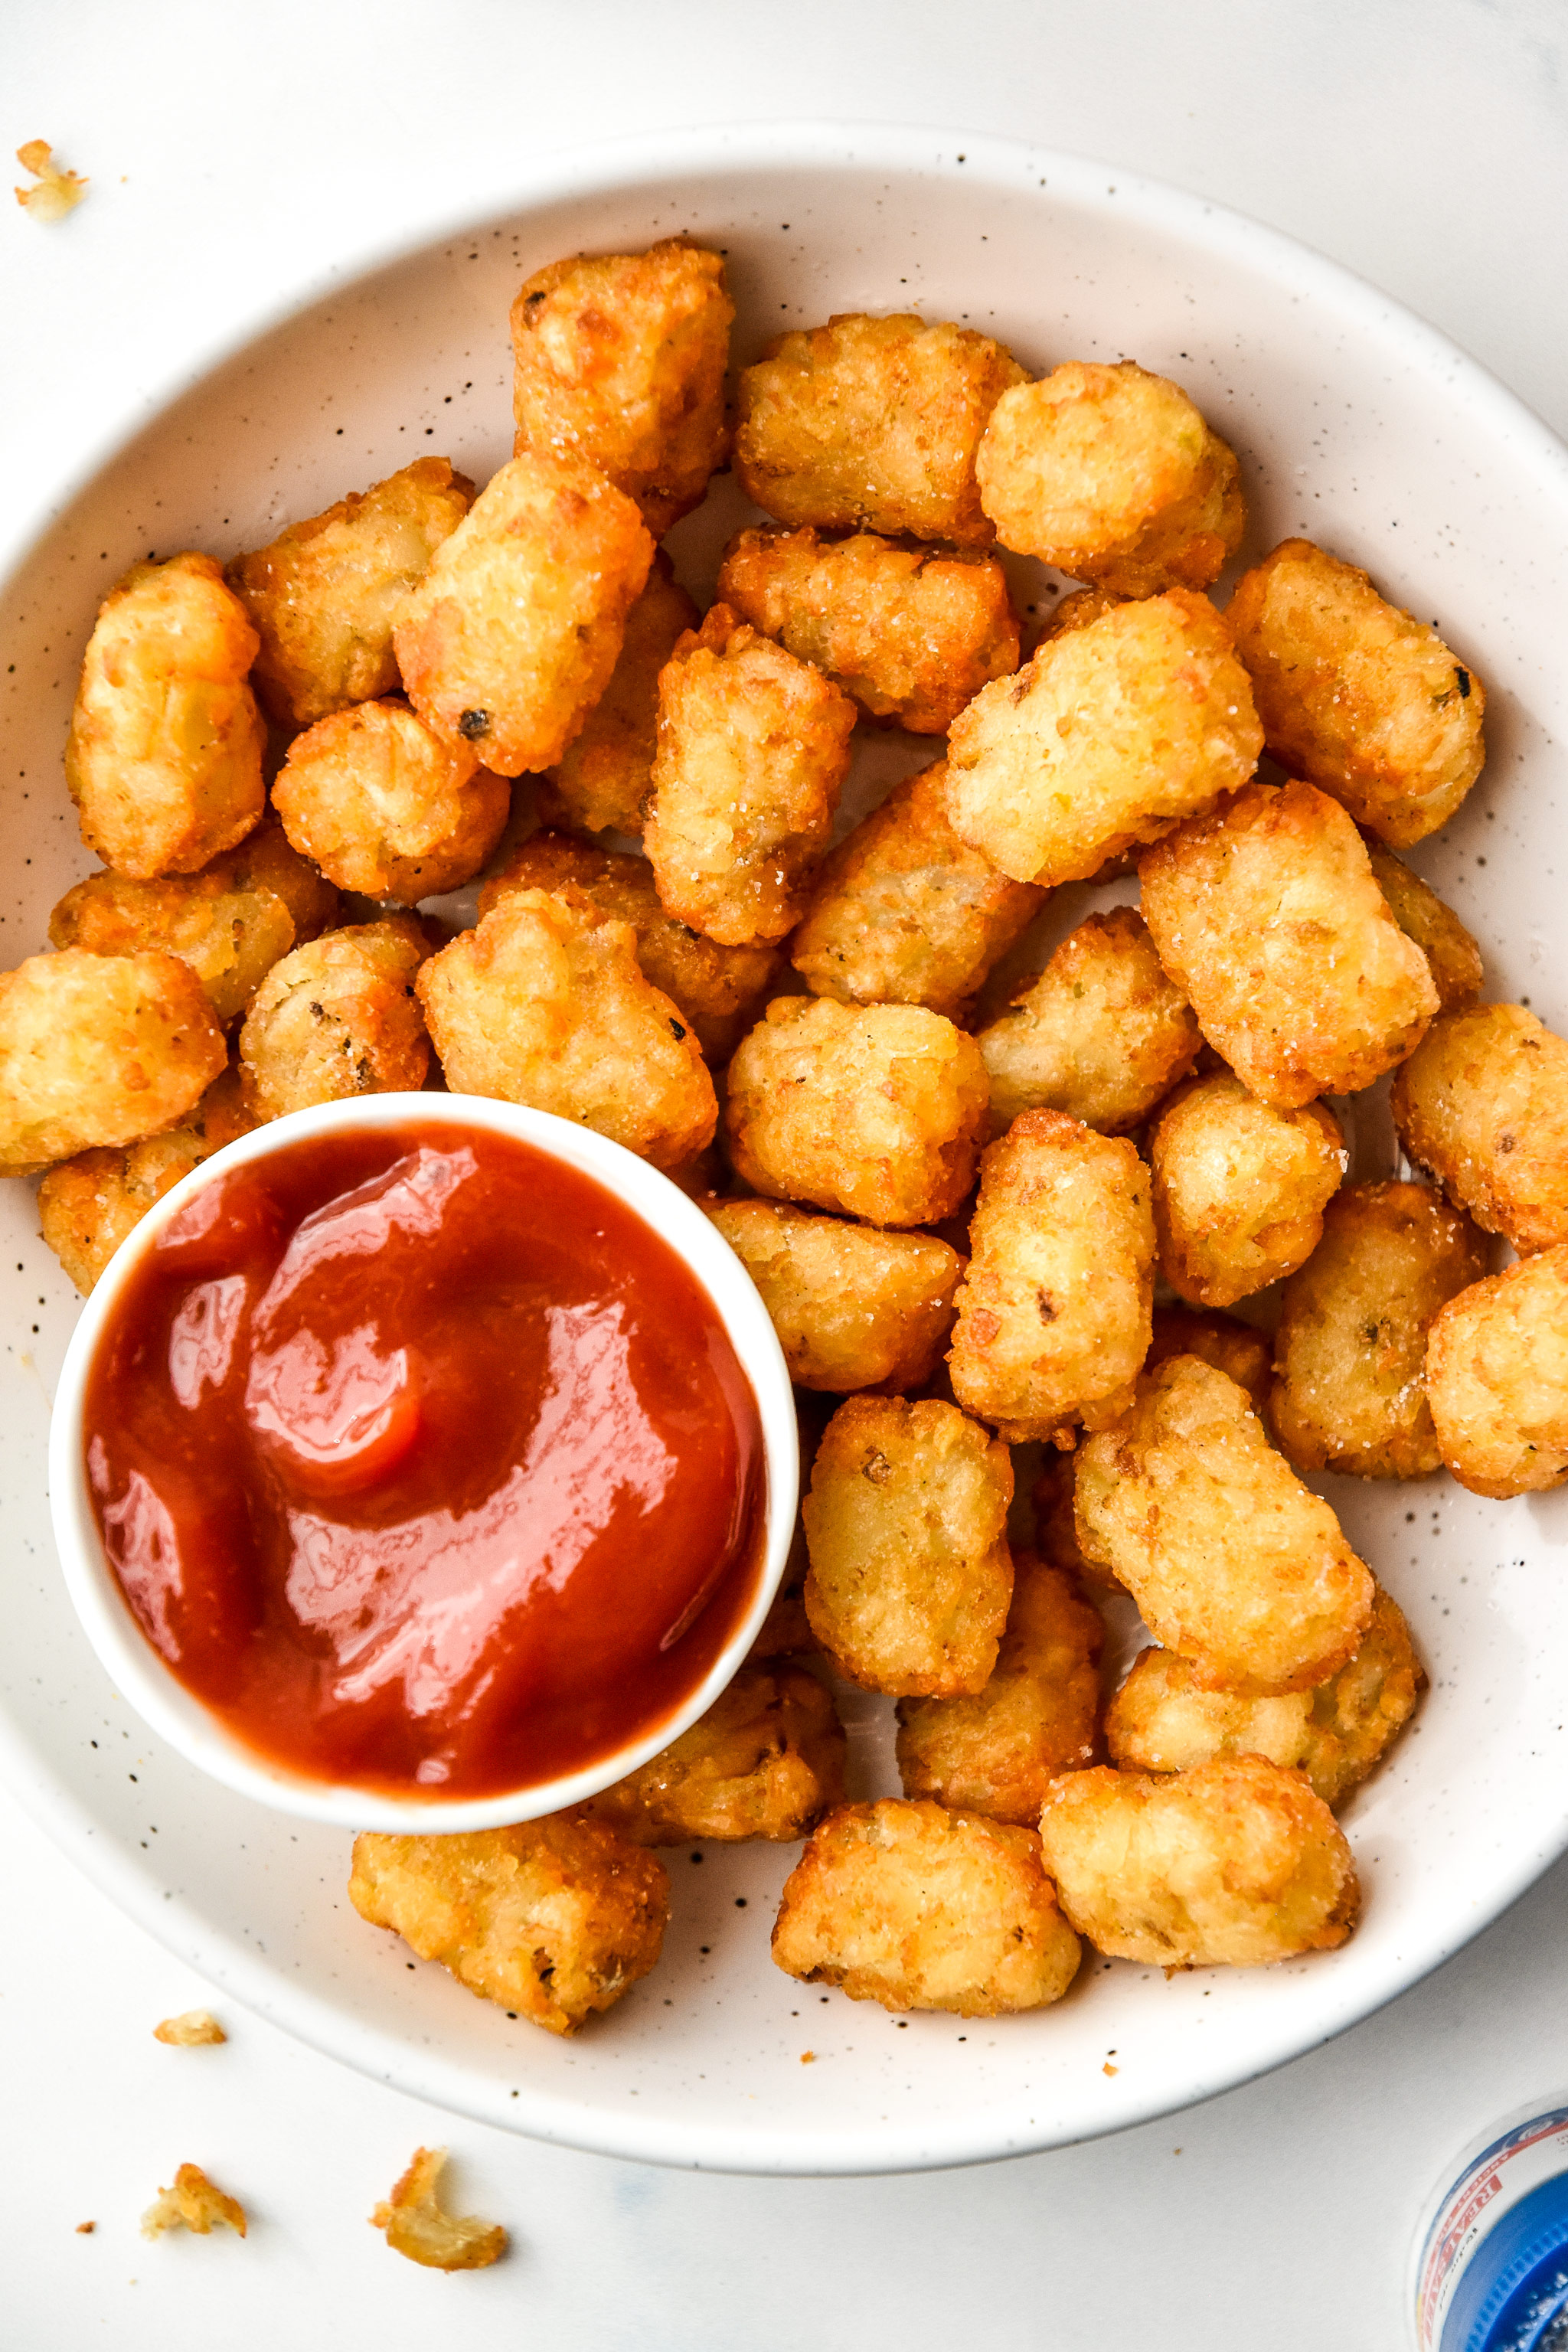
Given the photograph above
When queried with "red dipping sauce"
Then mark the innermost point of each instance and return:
(424, 1463)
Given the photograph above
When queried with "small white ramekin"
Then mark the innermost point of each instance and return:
(174, 1712)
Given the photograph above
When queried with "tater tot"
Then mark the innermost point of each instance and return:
(873, 1109)
(515, 629)
(99, 1050)
(87, 1205)
(1239, 1188)
(1350, 1349)
(753, 746)
(321, 596)
(1100, 1035)
(998, 1751)
(1229, 1558)
(385, 806)
(1452, 954)
(717, 991)
(620, 360)
(1231, 1865)
(1056, 1525)
(872, 425)
(1162, 1721)
(917, 1907)
(1268, 917)
(230, 936)
(1112, 734)
(1233, 1347)
(1483, 1103)
(546, 1003)
(1359, 698)
(164, 758)
(765, 1761)
(905, 1524)
(1054, 1309)
(854, 1309)
(1111, 475)
(910, 632)
(605, 776)
(335, 1019)
(1497, 1378)
(554, 1919)
(903, 913)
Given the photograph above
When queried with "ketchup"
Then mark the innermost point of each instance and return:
(424, 1463)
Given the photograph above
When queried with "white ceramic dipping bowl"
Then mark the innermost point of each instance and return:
(191, 1727)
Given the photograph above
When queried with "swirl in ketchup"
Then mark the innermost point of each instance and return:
(424, 1463)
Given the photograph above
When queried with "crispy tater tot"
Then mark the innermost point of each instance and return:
(1452, 954)
(1054, 1309)
(1359, 698)
(1483, 1103)
(753, 746)
(765, 1761)
(321, 596)
(872, 425)
(515, 629)
(1230, 1560)
(1239, 1188)
(1161, 1721)
(1233, 1347)
(605, 776)
(87, 1205)
(905, 1524)
(337, 1018)
(1111, 475)
(903, 913)
(717, 991)
(164, 758)
(620, 360)
(555, 1919)
(1228, 1866)
(1266, 916)
(917, 1907)
(854, 1309)
(999, 1750)
(910, 632)
(1100, 1035)
(1497, 1378)
(99, 1050)
(1110, 736)
(387, 807)
(1350, 1349)
(230, 936)
(875, 1109)
(546, 1003)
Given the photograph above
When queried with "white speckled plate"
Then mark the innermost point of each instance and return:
(1355, 425)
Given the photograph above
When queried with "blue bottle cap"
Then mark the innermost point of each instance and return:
(1514, 2295)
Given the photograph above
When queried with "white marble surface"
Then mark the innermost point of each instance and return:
(237, 160)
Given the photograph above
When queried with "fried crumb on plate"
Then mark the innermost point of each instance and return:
(190, 2030)
(193, 2203)
(57, 191)
(415, 2225)
(85, 2229)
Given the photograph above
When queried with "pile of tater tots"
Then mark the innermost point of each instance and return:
(960, 1211)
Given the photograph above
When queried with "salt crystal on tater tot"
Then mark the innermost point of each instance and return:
(546, 1003)
(515, 629)
(335, 1019)
(874, 1110)
(912, 633)
(853, 1308)
(917, 1907)
(765, 1761)
(1497, 1378)
(1267, 917)
(905, 1524)
(1239, 1188)
(87, 1205)
(1452, 954)
(1230, 1560)
(604, 778)
(1483, 1103)
(1359, 698)
(903, 913)
(1231, 1865)
(753, 746)
(1110, 736)
(1112, 475)
(1054, 1308)
(872, 425)
(164, 758)
(387, 807)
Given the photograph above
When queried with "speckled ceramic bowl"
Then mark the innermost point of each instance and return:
(1355, 425)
